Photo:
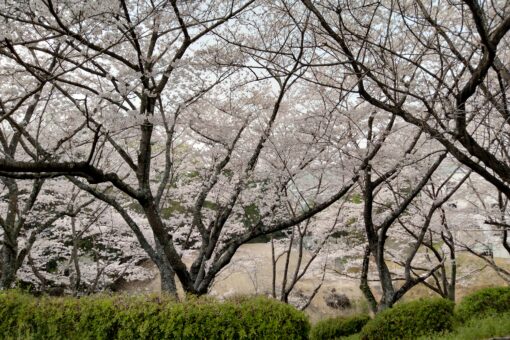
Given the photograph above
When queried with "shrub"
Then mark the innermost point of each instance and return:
(484, 302)
(337, 327)
(410, 320)
(147, 317)
(480, 328)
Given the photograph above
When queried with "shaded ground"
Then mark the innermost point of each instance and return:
(250, 273)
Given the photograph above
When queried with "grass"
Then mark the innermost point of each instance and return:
(480, 328)
(475, 329)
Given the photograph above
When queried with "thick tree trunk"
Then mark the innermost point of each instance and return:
(165, 247)
(166, 273)
(364, 287)
(168, 280)
(9, 265)
(388, 291)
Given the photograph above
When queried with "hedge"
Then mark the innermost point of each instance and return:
(337, 327)
(147, 317)
(484, 302)
(410, 320)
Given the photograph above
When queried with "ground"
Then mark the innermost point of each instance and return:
(250, 273)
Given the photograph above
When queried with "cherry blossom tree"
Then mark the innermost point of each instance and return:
(133, 69)
(310, 236)
(206, 125)
(155, 111)
(487, 234)
(434, 234)
(87, 252)
(27, 208)
(27, 211)
(441, 66)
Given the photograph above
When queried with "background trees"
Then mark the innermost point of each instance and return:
(137, 99)
(415, 61)
(207, 125)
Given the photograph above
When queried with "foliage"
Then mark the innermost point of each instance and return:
(474, 329)
(338, 327)
(479, 328)
(484, 302)
(223, 122)
(147, 317)
(410, 320)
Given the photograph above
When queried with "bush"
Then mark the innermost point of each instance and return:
(338, 327)
(480, 328)
(411, 320)
(147, 317)
(484, 302)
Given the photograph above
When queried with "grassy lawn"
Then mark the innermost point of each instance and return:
(484, 314)
(483, 328)
(475, 329)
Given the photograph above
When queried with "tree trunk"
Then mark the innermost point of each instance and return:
(388, 291)
(453, 279)
(363, 286)
(166, 273)
(8, 265)
(168, 280)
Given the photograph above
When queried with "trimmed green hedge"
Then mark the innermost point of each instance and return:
(484, 302)
(410, 320)
(337, 327)
(147, 317)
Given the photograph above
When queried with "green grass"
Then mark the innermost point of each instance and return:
(480, 328)
(475, 329)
